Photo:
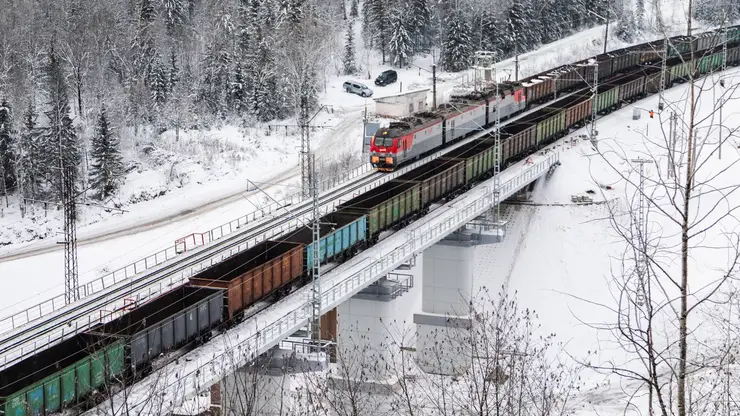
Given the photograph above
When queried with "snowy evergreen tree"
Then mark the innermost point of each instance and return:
(174, 75)
(29, 167)
(627, 28)
(60, 139)
(354, 8)
(106, 171)
(367, 24)
(491, 33)
(521, 35)
(457, 49)
(174, 13)
(401, 46)
(159, 81)
(237, 92)
(143, 48)
(375, 24)
(7, 149)
(640, 14)
(419, 23)
(348, 60)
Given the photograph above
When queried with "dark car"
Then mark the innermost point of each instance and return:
(387, 77)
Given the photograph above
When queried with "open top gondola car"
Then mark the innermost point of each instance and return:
(439, 179)
(61, 375)
(340, 236)
(389, 205)
(254, 274)
(166, 323)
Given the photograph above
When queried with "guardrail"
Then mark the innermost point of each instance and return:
(54, 304)
(180, 277)
(200, 374)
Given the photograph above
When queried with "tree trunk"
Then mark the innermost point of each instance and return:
(685, 238)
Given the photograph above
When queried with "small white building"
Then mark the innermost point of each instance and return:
(403, 104)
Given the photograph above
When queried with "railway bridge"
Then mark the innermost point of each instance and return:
(227, 353)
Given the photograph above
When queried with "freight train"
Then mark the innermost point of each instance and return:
(425, 132)
(80, 370)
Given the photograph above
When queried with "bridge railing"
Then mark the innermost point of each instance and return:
(199, 374)
(161, 257)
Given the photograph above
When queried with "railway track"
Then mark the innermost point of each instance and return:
(39, 334)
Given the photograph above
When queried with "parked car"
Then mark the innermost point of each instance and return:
(386, 77)
(355, 87)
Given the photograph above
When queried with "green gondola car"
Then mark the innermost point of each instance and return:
(78, 366)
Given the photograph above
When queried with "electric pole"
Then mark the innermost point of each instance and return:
(641, 232)
(434, 87)
(315, 267)
(516, 62)
(595, 91)
(71, 278)
(306, 170)
(662, 75)
(497, 156)
(606, 29)
(722, 83)
(672, 132)
(305, 149)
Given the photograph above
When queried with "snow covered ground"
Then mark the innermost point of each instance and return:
(203, 178)
(561, 257)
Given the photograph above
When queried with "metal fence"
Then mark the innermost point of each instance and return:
(163, 256)
(214, 367)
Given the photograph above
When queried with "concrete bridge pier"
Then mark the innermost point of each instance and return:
(371, 327)
(263, 387)
(444, 324)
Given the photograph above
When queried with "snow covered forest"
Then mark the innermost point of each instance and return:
(89, 86)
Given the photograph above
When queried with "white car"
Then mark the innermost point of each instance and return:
(355, 87)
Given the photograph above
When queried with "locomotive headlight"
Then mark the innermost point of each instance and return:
(375, 159)
(389, 160)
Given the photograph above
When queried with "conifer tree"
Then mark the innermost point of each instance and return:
(106, 171)
(401, 45)
(237, 93)
(60, 137)
(158, 83)
(29, 164)
(456, 48)
(174, 14)
(419, 23)
(7, 149)
(491, 33)
(354, 9)
(521, 34)
(350, 67)
(627, 28)
(174, 75)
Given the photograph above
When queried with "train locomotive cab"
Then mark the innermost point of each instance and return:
(385, 145)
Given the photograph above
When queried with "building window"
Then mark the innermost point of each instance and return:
(411, 108)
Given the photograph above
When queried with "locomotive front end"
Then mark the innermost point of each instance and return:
(384, 150)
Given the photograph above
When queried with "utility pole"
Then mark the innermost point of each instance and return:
(722, 83)
(606, 29)
(434, 86)
(641, 231)
(497, 159)
(315, 268)
(662, 75)
(672, 132)
(305, 149)
(595, 91)
(71, 278)
(516, 62)
(306, 171)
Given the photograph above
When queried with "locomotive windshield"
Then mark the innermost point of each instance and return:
(384, 138)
